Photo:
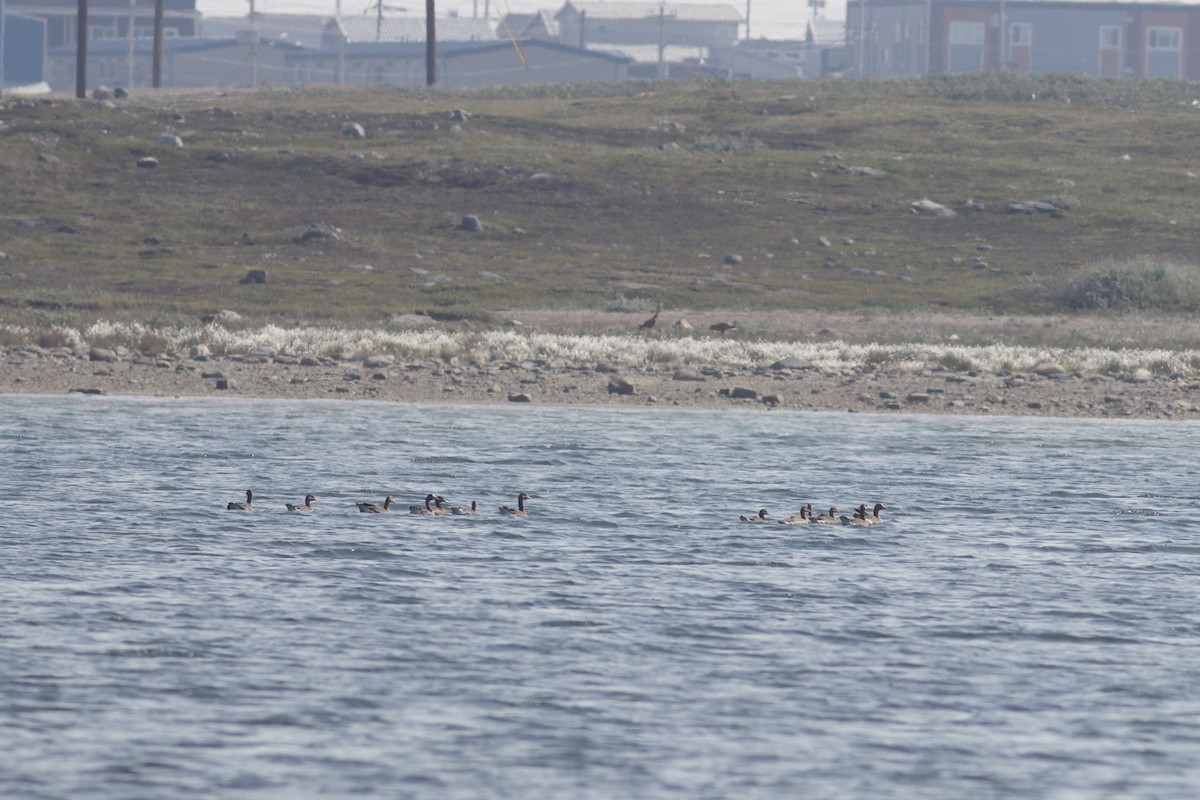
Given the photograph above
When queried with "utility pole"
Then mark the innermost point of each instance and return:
(81, 48)
(253, 46)
(129, 28)
(156, 80)
(747, 20)
(379, 20)
(662, 39)
(430, 44)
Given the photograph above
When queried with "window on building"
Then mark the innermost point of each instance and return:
(1021, 33)
(966, 47)
(966, 33)
(1163, 38)
(1163, 52)
(1110, 36)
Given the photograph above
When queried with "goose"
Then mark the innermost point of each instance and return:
(874, 517)
(429, 509)
(234, 505)
(761, 516)
(460, 511)
(371, 508)
(308, 501)
(803, 518)
(828, 519)
(519, 511)
(649, 324)
(858, 521)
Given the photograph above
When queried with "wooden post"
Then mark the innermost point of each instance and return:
(81, 48)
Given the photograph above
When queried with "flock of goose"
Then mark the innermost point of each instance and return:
(862, 517)
(434, 506)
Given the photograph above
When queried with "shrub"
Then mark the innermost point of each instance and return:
(1143, 284)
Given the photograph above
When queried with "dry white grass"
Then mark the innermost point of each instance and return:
(823, 348)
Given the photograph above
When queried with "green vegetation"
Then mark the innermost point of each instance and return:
(604, 197)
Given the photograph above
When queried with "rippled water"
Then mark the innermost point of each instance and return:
(1025, 624)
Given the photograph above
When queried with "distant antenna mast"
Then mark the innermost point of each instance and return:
(253, 46)
(379, 20)
(81, 49)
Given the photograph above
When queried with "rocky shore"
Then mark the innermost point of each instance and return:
(1048, 391)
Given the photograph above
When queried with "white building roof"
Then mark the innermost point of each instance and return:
(681, 11)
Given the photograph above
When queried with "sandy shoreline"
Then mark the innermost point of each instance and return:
(32, 370)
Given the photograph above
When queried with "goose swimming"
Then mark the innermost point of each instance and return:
(828, 519)
(855, 521)
(460, 511)
(371, 508)
(308, 501)
(803, 518)
(432, 507)
(761, 516)
(519, 511)
(234, 505)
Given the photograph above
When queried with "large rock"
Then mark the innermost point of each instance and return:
(169, 140)
(255, 276)
(102, 354)
(471, 223)
(618, 385)
(354, 131)
(930, 208)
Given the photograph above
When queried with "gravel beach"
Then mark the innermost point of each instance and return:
(34, 370)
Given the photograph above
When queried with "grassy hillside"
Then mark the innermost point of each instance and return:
(709, 196)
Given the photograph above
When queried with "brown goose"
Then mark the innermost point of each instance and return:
(371, 508)
(308, 501)
(803, 518)
(432, 507)
(828, 519)
(761, 516)
(855, 521)
(234, 505)
(519, 511)
(649, 324)
(459, 511)
(874, 518)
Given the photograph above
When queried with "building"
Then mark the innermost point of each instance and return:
(107, 19)
(22, 50)
(458, 64)
(892, 38)
(406, 29)
(186, 63)
(591, 24)
(821, 53)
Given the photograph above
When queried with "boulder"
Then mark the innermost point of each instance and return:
(930, 208)
(354, 131)
(519, 398)
(102, 354)
(471, 223)
(169, 140)
(618, 385)
(255, 276)
(149, 162)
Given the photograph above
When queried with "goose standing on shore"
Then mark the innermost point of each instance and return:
(519, 511)
(761, 516)
(235, 505)
(803, 518)
(371, 508)
(308, 501)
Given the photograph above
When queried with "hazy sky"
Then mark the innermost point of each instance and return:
(770, 19)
